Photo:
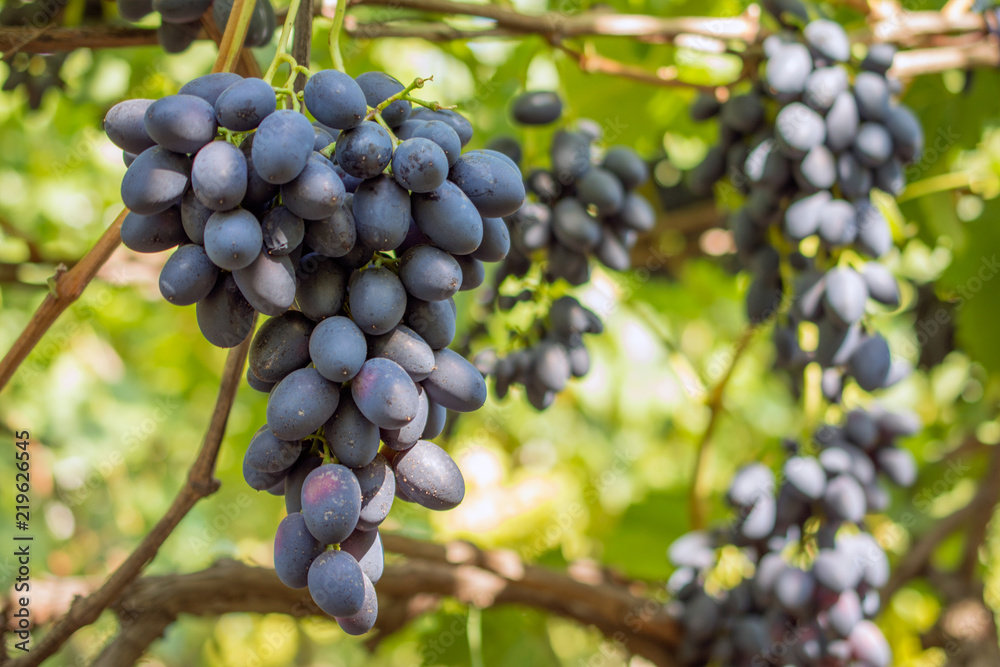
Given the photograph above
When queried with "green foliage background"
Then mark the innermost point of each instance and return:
(117, 395)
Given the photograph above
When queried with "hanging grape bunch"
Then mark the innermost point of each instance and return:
(816, 569)
(356, 266)
(807, 147)
(586, 205)
(180, 20)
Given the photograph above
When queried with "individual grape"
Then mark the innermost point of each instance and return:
(879, 58)
(539, 107)
(242, 106)
(601, 189)
(429, 477)
(188, 276)
(833, 571)
(282, 146)
(544, 185)
(805, 475)
(261, 481)
(842, 122)
(795, 590)
(434, 321)
(844, 499)
(570, 152)
(366, 547)
(799, 129)
(455, 383)
(153, 233)
(449, 219)
(429, 273)
(898, 465)
(337, 584)
(364, 620)
(156, 181)
(403, 438)
(889, 177)
(280, 346)
(442, 134)
(124, 125)
(861, 429)
(788, 70)
(334, 235)
(233, 238)
(456, 121)
(838, 223)
(268, 283)
(759, 522)
(377, 300)
(845, 613)
(473, 272)
(742, 113)
(335, 99)
(266, 453)
(331, 503)
(219, 176)
(316, 193)
(385, 394)
(574, 226)
(419, 165)
(871, 91)
(337, 348)
(496, 241)
(282, 230)
(209, 86)
(906, 132)
(872, 145)
(579, 361)
(358, 258)
(180, 123)
(845, 296)
(816, 171)
(870, 363)
(194, 217)
(828, 40)
(763, 300)
(364, 151)
(177, 37)
(493, 186)
(294, 551)
(704, 107)
(302, 402)
(551, 366)
(181, 11)
(377, 88)
(378, 488)
(625, 164)
(766, 166)
(405, 347)
(823, 86)
(854, 179)
(436, 417)
(874, 235)
(352, 438)
(382, 213)
(868, 645)
(881, 284)
(224, 316)
(751, 483)
(134, 10)
(322, 284)
(695, 550)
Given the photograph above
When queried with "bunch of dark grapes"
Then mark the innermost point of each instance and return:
(180, 20)
(586, 205)
(816, 571)
(806, 147)
(356, 266)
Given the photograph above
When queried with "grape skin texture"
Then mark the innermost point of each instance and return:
(155, 181)
(429, 477)
(219, 176)
(282, 146)
(181, 123)
(242, 106)
(337, 584)
(187, 276)
(331, 503)
(335, 99)
(301, 403)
